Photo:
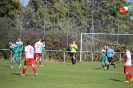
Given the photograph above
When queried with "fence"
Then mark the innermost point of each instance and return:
(63, 56)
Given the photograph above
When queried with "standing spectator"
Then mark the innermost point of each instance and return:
(110, 53)
(127, 65)
(73, 47)
(29, 59)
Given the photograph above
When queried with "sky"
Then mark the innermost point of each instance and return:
(24, 2)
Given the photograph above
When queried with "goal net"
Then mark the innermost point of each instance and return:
(91, 45)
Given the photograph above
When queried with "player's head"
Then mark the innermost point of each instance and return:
(126, 47)
(105, 47)
(43, 41)
(40, 39)
(19, 39)
(10, 42)
(28, 43)
(73, 42)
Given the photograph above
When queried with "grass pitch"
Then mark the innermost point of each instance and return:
(63, 75)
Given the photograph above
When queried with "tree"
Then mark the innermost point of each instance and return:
(10, 8)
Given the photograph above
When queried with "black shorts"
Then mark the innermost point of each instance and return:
(109, 59)
(72, 54)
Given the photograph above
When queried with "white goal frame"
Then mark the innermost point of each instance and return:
(81, 41)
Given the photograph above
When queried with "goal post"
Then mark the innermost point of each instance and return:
(92, 43)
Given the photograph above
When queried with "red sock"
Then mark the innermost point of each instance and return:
(130, 75)
(34, 69)
(40, 62)
(24, 70)
(127, 77)
(36, 62)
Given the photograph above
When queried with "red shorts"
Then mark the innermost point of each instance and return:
(127, 69)
(38, 55)
(29, 61)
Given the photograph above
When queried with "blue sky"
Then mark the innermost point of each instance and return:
(24, 2)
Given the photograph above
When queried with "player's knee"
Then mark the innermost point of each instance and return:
(32, 65)
(102, 62)
(126, 72)
(24, 66)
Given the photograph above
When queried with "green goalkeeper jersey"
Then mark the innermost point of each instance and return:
(14, 48)
(19, 45)
(73, 48)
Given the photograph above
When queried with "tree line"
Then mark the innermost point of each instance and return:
(57, 20)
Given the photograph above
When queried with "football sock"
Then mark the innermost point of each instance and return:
(102, 66)
(34, 69)
(113, 64)
(130, 75)
(24, 70)
(12, 62)
(42, 61)
(127, 77)
(107, 67)
(19, 61)
(72, 61)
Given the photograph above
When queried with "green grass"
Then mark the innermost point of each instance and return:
(63, 75)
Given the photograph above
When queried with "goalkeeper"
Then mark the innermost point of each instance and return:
(104, 58)
(73, 48)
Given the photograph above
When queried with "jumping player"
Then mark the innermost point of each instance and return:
(104, 58)
(127, 65)
(43, 51)
(38, 52)
(20, 48)
(73, 47)
(29, 59)
(14, 50)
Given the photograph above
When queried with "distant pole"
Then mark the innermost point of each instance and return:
(20, 31)
(118, 31)
(21, 22)
(92, 24)
(92, 28)
(81, 47)
(44, 30)
(68, 23)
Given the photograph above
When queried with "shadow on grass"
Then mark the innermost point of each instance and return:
(19, 74)
(6, 66)
(97, 68)
(116, 80)
(15, 73)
